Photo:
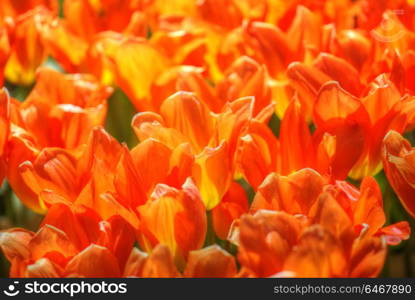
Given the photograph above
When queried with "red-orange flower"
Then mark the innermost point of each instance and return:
(175, 218)
(65, 246)
(278, 244)
(382, 110)
(213, 139)
(336, 230)
(204, 263)
(245, 77)
(27, 51)
(70, 104)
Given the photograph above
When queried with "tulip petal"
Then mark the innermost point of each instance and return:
(79, 224)
(129, 182)
(340, 114)
(259, 150)
(135, 263)
(151, 125)
(136, 66)
(295, 137)
(265, 240)
(174, 218)
(369, 207)
(318, 254)
(188, 115)
(294, 194)
(232, 206)
(368, 257)
(245, 77)
(15, 243)
(336, 68)
(42, 268)
(94, 261)
(49, 239)
(210, 262)
(396, 233)
(212, 174)
(160, 264)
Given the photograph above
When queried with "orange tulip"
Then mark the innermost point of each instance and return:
(308, 79)
(57, 38)
(343, 116)
(341, 121)
(27, 50)
(352, 45)
(204, 263)
(102, 177)
(364, 120)
(213, 138)
(184, 119)
(259, 39)
(161, 164)
(175, 218)
(93, 52)
(212, 173)
(37, 33)
(106, 59)
(189, 40)
(136, 64)
(287, 193)
(67, 173)
(245, 77)
(98, 60)
(364, 207)
(64, 247)
(268, 242)
(323, 150)
(74, 104)
(222, 13)
(188, 79)
(297, 235)
(288, 154)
